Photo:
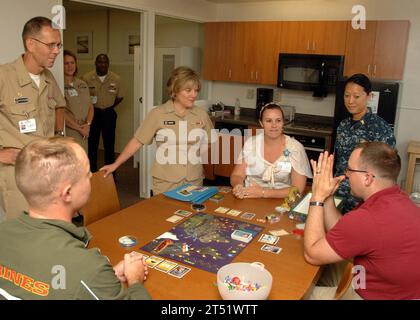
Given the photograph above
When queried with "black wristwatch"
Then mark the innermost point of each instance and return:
(59, 133)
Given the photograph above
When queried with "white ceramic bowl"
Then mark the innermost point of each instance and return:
(248, 273)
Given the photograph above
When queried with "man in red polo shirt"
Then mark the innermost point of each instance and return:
(381, 235)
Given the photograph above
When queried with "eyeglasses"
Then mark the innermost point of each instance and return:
(50, 46)
(348, 169)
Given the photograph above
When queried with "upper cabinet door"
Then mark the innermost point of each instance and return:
(314, 37)
(390, 49)
(329, 37)
(219, 49)
(294, 37)
(262, 47)
(378, 51)
(360, 45)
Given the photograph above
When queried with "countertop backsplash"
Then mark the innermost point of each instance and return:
(302, 100)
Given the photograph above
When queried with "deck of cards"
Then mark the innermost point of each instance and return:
(241, 235)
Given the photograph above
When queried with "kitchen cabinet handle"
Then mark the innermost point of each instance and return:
(313, 45)
(256, 75)
(230, 73)
(369, 69)
(252, 75)
(308, 46)
(374, 71)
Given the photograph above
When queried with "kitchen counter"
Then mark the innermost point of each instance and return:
(303, 123)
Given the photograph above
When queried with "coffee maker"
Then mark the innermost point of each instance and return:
(264, 96)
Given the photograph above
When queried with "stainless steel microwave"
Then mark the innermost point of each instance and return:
(310, 72)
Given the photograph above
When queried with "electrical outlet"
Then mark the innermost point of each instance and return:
(250, 93)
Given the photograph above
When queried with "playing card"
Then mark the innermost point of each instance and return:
(201, 189)
(174, 219)
(217, 197)
(225, 189)
(183, 213)
(233, 212)
(153, 261)
(272, 218)
(279, 233)
(221, 210)
(179, 271)
(190, 188)
(184, 192)
(248, 215)
(268, 238)
(166, 266)
(300, 226)
(270, 248)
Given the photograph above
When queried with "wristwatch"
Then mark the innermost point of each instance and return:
(316, 203)
(59, 133)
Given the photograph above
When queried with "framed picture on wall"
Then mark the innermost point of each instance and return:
(132, 41)
(84, 46)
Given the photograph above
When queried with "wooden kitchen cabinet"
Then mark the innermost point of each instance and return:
(314, 37)
(219, 50)
(242, 51)
(378, 51)
(262, 47)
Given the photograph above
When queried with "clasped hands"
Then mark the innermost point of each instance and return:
(132, 269)
(253, 191)
(84, 130)
(324, 183)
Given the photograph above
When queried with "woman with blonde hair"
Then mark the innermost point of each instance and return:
(180, 130)
(80, 109)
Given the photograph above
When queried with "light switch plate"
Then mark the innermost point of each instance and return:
(250, 93)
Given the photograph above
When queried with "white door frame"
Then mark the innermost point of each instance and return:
(147, 61)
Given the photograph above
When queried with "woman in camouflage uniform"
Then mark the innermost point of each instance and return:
(362, 126)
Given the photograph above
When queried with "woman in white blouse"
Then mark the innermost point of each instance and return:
(270, 162)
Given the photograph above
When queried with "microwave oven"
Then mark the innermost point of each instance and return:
(310, 72)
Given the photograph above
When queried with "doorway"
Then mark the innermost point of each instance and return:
(91, 30)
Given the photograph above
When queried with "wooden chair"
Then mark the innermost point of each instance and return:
(333, 293)
(103, 199)
(345, 281)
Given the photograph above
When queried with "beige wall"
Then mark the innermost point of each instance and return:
(13, 15)
(110, 30)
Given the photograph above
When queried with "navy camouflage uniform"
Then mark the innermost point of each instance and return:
(349, 134)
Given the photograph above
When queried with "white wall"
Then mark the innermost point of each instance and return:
(409, 107)
(13, 15)
(194, 10)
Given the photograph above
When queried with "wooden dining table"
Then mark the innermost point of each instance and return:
(293, 277)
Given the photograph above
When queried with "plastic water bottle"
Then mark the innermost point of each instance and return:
(237, 107)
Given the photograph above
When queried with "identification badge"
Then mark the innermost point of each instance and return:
(160, 138)
(27, 126)
(93, 99)
(169, 123)
(284, 166)
(72, 92)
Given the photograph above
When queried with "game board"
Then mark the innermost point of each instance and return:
(202, 241)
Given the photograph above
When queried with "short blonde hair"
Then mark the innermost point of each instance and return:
(43, 165)
(179, 79)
